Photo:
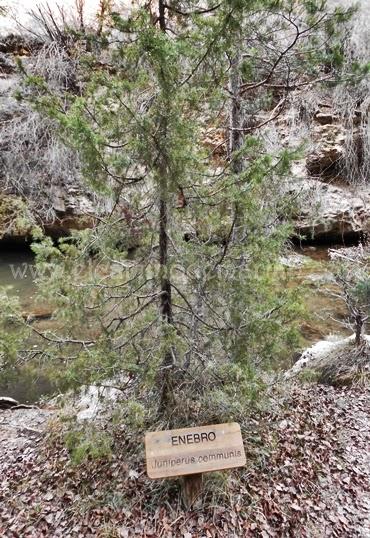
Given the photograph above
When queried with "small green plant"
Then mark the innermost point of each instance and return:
(87, 444)
(309, 375)
(216, 485)
(116, 500)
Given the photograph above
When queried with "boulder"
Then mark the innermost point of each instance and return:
(330, 212)
(17, 218)
(336, 361)
(327, 157)
(294, 261)
(7, 403)
(326, 117)
(19, 45)
(94, 400)
(7, 64)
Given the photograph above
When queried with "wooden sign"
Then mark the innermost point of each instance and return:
(194, 450)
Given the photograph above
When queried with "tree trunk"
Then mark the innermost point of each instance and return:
(236, 140)
(235, 116)
(236, 136)
(166, 302)
(359, 329)
(166, 378)
(162, 15)
(192, 486)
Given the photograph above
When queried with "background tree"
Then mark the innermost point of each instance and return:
(352, 277)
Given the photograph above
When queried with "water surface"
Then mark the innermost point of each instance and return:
(17, 273)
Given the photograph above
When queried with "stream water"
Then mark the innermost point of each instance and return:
(17, 272)
(326, 313)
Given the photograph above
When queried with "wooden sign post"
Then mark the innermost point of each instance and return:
(189, 452)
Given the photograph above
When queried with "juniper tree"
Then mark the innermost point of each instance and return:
(189, 318)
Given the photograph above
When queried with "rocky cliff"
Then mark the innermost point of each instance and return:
(41, 183)
(40, 178)
(332, 179)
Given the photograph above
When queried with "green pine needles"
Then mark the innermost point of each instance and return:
(174, 293)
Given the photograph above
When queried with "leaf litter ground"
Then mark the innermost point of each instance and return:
(307, 475)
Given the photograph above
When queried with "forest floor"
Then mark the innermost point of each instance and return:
(307, 475)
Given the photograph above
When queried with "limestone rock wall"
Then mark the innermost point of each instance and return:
(330, 205)
(331, 183)
(36, 169)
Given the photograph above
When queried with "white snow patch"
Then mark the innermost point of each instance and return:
(294, 260)
(93, 399)
(320, 351)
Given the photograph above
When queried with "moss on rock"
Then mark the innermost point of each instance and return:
(15, 220)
